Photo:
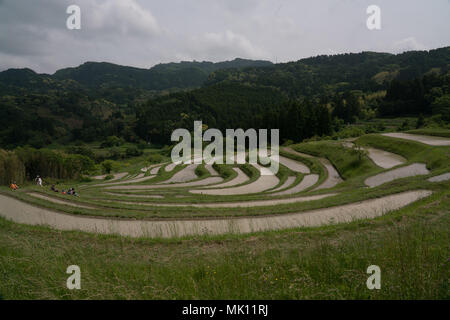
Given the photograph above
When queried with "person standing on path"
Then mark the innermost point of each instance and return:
(39, 181)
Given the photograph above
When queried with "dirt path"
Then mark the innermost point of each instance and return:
(414, 169)
(432, 141)
(21, 212)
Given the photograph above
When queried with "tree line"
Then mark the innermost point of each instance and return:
(26, 163)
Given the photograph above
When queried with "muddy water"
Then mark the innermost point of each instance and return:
(203, 182)
(57, 201)
(241, 204)
(440, 178)
(116, 176)
(289, 181)
(381, 158)
(211, 170)
(155, 170)
(239, 179)
(294, 165)
(263, 183)
(414, 169)
(139, 178)
(333, 176)
(150, 196)
(384, 159)
(432, 141)
(21, 212)
(184, 175)
(307, 182)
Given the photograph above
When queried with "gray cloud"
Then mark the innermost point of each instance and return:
(142, 33)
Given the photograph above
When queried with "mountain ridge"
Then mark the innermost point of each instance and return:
(182, 75)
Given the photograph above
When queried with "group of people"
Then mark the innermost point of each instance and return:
(13, 186)
(71, 191)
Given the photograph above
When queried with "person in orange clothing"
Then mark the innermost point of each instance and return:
(14, 186)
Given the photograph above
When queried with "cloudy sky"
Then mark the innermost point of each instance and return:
(143, 33)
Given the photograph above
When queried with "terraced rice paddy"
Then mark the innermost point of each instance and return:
(433, 141)
(171, 200)
(414, 169)
(381, 158)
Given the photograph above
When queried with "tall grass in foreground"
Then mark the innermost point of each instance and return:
(411, 247)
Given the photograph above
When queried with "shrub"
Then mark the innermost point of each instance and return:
(133, 152)
(85, 179)
(115, 154)
(200, 171)
(155, 158)
(107, 166)
(288, 143)
(349, 132)
(223, 170)
(112, 141)
(142, 145)
(81, 150)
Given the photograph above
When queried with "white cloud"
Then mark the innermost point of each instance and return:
(142, 33)
(118, 16)
(407, 44)
(223, 45)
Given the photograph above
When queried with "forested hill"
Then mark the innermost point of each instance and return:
(367, 71)
(95, 75)
(304, 98)
(313, 96)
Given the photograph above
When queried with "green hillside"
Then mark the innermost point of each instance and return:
(161, 77)
(311, 97)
